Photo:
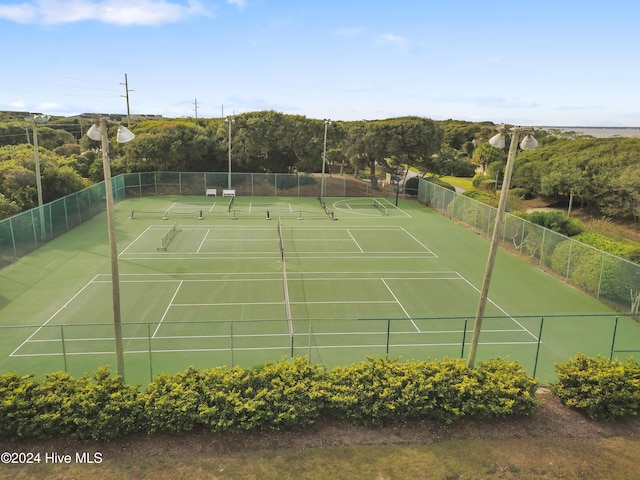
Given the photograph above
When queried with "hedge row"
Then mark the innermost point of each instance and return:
(600, 388)
(286, 394)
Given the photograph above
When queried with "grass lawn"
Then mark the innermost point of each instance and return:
(464, 459)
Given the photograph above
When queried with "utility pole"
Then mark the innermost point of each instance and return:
(126, 87)
(195, 103)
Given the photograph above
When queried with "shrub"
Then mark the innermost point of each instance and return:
(286, 394)
(15, 404)
(411, 186)
(600, 388)
(273, 396)
(484, 197)
(487, 185)
(97, 407)
(441, 183)
(507, 389)
(381, 391)
(556, 221)
(172, 402)
(601, 242)
(520, 193)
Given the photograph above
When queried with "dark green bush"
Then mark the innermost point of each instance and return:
(600, 388)
(556, 221)
(620, 249)
(441, 183)
(411, 186)
(521, 193)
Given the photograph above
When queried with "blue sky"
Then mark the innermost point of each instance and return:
(561, 63)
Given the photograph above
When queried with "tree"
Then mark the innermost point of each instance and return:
(413, 141)
(485, 154)
(366, 144)
(18, 176)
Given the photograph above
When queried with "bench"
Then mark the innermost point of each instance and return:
(212, 191)
(228, 193)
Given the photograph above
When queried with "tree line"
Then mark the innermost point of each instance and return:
(601, 173)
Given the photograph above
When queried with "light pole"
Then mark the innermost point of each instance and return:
(39, 120)
(99, 132)
(229, 120)
(497, 141)
(323, 189)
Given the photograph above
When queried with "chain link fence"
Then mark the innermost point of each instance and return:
(612, 280)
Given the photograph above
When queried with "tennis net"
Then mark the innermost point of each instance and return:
(379, 206)
(280, 240)
(166, 239)
(285, 285)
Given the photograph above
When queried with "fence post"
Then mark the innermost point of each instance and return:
(150, 358)
(309, 345)
(613, 340)
(388, 334)
(535, 363)
(464, 336)
(231, 341)
(64, 351)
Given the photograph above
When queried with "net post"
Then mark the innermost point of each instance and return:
(165, 215)
(234, 216)
(133, 216)
(268, 215)
(201, 217)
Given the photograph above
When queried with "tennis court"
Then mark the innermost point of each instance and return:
(244, 280)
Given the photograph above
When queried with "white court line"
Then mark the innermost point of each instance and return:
(134, 241)
(393, 205)
(167, 310)
(420, 243)
(400, 304)
(203, 240)
(354, 241)
(502, 310)
(52, 317)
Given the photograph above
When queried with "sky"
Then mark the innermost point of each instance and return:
(543, 63)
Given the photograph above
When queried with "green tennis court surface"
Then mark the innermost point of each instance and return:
(211, 281)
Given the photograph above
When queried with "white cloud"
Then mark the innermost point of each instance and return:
(349, 32)
(241, 4)
(396, 40)
(118, 12)
(48, 107)
(20, 13)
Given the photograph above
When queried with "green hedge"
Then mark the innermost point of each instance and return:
(600, 388)
(96, 407)
(380, 391)
(283, 395)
